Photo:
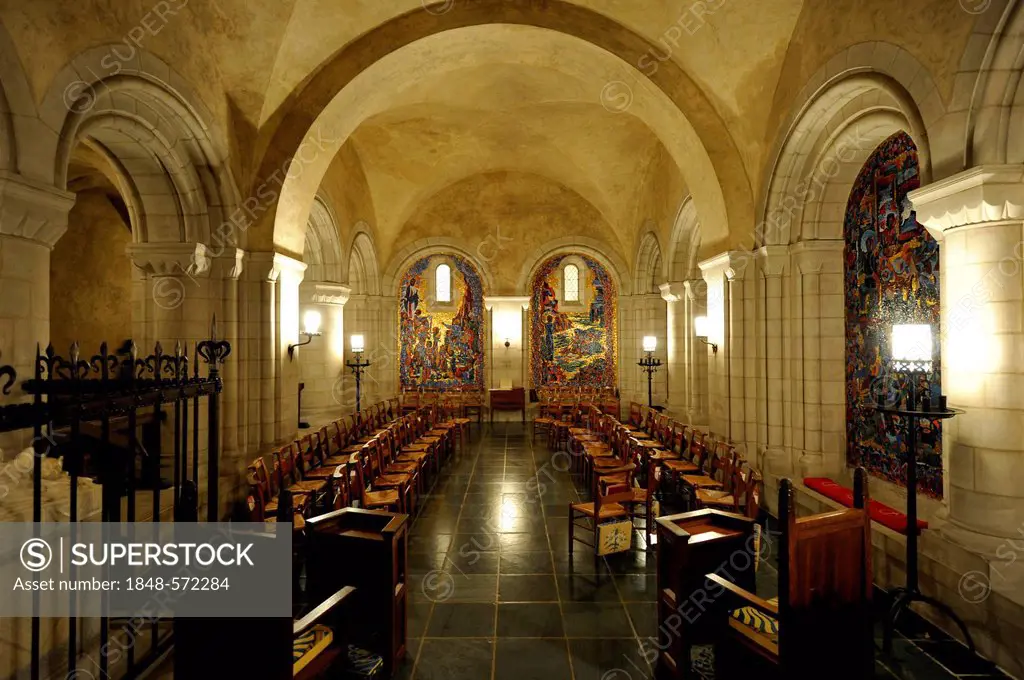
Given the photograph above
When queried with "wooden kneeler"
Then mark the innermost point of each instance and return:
(821, 626)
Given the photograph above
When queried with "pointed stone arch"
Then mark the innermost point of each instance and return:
(648, 271)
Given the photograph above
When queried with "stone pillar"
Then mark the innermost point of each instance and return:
(818, 359)
(275, 280)
(687, 372)
(171, 294)
(732, 387)
(32, 219)
(978, 217)
(772, 264)
(322, 362)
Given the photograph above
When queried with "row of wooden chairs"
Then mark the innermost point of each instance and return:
(626, 466)
(465, 402)
(378, 458)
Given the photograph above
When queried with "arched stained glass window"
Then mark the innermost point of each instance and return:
(443, 283)
(571, 283)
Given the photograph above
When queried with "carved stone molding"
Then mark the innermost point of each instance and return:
(774, 260)
(330, 294)
(696, 289)
(673, 291)
(268, 266)
(33, 211)
(816, 256)
(733, 264)
(229, 264)
(986, 193)
(170, 259)
(491, 301)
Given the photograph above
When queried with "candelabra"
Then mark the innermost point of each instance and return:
(358, 366)
(650, 366)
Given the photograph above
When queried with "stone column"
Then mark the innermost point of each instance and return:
(322, 362)
(32, 219)
(641, 315)
(818, 371)
(275, 280)
(978, 217)
(696, 304)
(773, 263)
(675, 368)
(732, 385)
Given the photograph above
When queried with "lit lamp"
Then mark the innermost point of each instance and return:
(702, 328)
(357, 343)
(912, 356)
(650, 365)
(310, 327)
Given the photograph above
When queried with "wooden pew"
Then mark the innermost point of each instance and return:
(821, 625)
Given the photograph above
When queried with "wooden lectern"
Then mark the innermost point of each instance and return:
(691, 545)
(367, 549)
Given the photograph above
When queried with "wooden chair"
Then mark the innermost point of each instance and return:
(370, 498)
(607, 505)
(821, 624)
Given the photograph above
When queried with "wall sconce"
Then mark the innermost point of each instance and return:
(702, 327)
(650, 343)
(311, 326)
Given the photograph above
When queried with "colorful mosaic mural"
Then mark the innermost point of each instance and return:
(573, 344)
(891, 273)
(442, 344)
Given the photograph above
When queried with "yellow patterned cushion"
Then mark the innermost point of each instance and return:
(308, 645)
(760, 622)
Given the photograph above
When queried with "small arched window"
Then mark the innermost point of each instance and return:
(443, 283)
(571, 283)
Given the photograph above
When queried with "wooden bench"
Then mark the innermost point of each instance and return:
(821, 624)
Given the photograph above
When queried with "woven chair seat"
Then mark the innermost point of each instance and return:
(607, 510)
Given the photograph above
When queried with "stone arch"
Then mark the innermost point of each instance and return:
(17, 113)
(322, 253)
(829, 139)
(426, 247)
(684, 243)
(709, 156)
(567, 245)
(647, 272)
(155, 132)
(362, 271)
(987, 98)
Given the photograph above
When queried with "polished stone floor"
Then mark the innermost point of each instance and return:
(492, 596)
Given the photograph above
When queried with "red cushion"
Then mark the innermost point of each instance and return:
(881, 513)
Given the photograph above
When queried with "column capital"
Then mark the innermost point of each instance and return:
(330, 294)
(269, 266)
(170, 259)
(673, 291)
(986, 193)
(33, 211)
(816, 256)
(695, 288)
(491, 301)
(228, 264)
(733, 264)
(774, 260)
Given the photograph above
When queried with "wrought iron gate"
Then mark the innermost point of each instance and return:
(89, 413)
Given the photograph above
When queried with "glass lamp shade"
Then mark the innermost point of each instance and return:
(912, 347)
(701, 327)
(650, 343)
(311, 322)
(358, 344)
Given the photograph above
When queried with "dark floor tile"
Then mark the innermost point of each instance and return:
(422, 563)
(586, 588)
(527, 589)
(532, 562)
(405, 667)
(637, 587)
(908, 661)
(419, 615)
(580, 562)
(429, 543)
(466, 544)
(530, 620)
(608, 659)
(644, 616)
(595, 620)
(956, 657)
(473, 587)
(531, 660)
(461, 620)
(633, 562)
(472, 562)
(523, 542)
(455, 660)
